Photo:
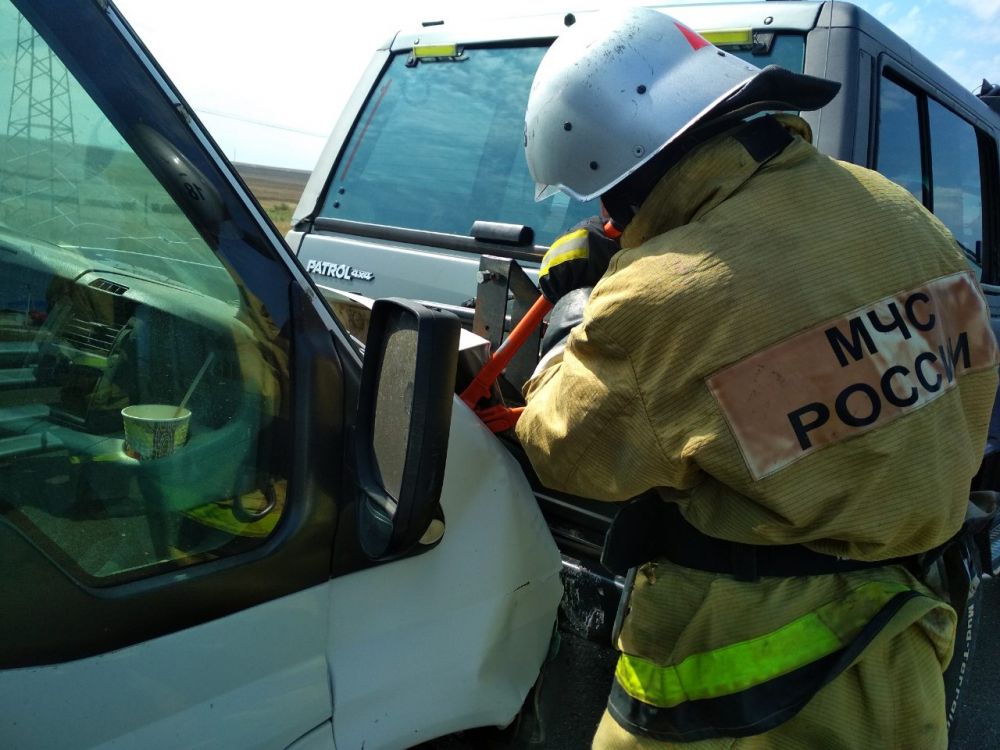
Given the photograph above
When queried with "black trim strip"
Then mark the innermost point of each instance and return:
(459, 242)
(989, 177)
(752, 711)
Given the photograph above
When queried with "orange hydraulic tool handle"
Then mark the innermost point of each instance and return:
(499, 418)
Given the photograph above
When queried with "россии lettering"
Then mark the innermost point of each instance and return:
(855, 373)
(860, 404)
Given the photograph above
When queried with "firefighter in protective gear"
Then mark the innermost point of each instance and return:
(790, 360)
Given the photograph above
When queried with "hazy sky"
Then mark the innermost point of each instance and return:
(269, 80)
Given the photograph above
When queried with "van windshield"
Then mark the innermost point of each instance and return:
(440, 145)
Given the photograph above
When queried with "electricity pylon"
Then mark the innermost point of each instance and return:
(39, 127)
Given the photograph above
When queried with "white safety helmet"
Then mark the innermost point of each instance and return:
(613, 91)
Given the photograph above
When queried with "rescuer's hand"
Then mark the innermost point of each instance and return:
(577, 259)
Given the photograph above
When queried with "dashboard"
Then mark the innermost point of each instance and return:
(78, 347)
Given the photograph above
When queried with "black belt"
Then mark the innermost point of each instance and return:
(648, 528)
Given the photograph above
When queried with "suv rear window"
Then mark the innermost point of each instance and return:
(440, 145)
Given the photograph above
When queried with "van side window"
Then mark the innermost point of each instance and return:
(933, 153)
(899, 138)
(958, 194)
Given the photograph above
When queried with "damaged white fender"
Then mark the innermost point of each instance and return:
(461, 632)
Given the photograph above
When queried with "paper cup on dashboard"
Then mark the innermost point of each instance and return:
(154, 430)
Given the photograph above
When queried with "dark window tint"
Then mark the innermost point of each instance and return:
(899, 138)
(957, 193)
(933, 153)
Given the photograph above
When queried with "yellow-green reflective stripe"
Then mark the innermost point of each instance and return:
(740, 666)
(722, 37)
(435, 50)
(572, 253)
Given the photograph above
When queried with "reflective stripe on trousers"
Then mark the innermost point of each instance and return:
(752, 686)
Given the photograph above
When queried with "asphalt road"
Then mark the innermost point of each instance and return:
(979, 723)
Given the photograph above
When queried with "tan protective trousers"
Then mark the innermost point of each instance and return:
(880, 703)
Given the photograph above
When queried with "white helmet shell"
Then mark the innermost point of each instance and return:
(613, 91)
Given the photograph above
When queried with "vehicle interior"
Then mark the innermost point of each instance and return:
(114, 296)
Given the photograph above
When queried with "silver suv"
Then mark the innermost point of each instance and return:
(432, 143)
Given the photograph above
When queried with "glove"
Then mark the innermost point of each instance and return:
(565, 316)
(577, 259)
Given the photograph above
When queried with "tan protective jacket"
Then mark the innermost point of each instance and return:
(801, 351)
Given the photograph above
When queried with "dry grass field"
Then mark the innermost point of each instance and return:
(276, 189)
(280, 213)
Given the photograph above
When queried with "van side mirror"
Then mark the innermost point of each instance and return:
(404, 416)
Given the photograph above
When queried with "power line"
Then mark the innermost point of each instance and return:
(250, 120)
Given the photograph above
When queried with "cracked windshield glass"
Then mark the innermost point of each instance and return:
(138, 375)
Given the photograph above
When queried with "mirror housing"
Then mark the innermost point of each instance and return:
(402, 425)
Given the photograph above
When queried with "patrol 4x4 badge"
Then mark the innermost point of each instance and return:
(338, 271)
